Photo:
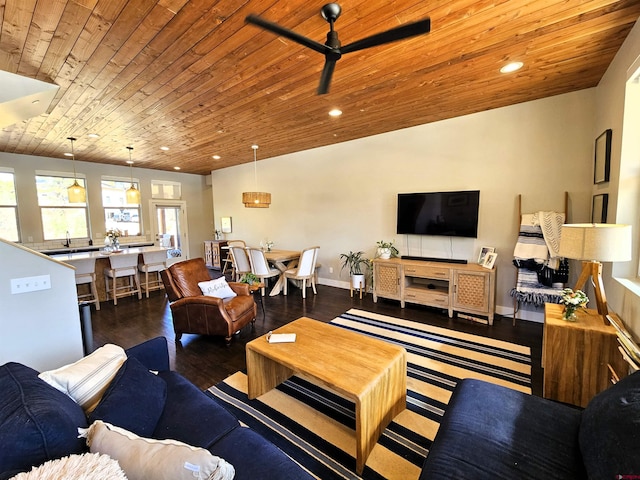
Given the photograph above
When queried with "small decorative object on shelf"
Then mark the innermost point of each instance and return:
(386, 250)
(572, 301)
(267, 245)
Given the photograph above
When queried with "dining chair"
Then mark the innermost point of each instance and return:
(86, 274)
(241, 263)
(260, 267)
(122, 265)
(306, 270)
(229, 258)
(152, 262)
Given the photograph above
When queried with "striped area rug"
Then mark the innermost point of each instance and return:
(316, 427)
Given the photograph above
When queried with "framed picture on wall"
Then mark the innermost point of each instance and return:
(602, 157)
(599, 208)
(225, 224)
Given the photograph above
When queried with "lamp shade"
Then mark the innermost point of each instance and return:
(256, 199)
(601, 242)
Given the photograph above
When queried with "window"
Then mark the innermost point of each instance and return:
(59, 217)
(8, 207)
(118, 214)
(166, 190)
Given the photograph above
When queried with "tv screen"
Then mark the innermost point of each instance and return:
(453, 214)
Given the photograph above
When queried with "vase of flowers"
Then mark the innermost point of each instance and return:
(113, 238)
(572, 301)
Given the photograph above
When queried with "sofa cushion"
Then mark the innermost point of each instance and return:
(86, 380)
(38, 422)
(190, 416)
(134, 400)
(489, 431)
(256, 458)
(610, 431)
(146, 458)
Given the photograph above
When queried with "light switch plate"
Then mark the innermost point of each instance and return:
(30, 284)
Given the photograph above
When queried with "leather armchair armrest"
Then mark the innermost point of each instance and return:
(202, 300)
(240, 288)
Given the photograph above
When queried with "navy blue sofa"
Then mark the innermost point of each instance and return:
(492, 432)
(39, 423)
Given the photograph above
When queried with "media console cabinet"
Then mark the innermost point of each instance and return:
(456, 287)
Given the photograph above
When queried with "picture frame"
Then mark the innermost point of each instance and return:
(599, 208)
(602, 157)
(483, 253)
(225, 224)
(490, 260)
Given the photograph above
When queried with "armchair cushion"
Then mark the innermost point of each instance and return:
(217, 288)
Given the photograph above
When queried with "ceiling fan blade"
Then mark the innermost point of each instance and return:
(285, 32)
(325, 78)
(393, 35)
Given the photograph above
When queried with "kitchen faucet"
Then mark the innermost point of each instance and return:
(68, 243)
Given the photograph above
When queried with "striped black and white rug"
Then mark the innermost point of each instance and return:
(316, 427)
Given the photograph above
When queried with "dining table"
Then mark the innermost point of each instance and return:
(283, 260)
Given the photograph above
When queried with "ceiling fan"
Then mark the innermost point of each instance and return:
(332, 50)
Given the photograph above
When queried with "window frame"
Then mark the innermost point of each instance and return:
(14, 206)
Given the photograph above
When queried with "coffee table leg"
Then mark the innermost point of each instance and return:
(377, 407)
(264, 374)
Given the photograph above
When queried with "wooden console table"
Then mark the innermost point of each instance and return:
(576, 355)
(460, 287)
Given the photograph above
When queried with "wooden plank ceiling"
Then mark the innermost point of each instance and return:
(191, 75)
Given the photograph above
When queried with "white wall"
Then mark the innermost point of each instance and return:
(623, 296)
(343, 197)
(40, 329)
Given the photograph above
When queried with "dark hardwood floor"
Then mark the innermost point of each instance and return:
(206, 361)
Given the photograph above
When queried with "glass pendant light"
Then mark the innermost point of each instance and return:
(133, 194)
(76, 192)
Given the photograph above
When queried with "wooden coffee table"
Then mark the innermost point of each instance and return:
(371, 372)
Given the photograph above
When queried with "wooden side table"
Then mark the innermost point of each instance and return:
(576, 355)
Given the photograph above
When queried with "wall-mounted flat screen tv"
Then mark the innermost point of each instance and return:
(453, 214)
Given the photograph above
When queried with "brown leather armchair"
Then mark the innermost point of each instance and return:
(194, 312)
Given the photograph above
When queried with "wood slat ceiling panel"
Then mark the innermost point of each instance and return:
(192, 75)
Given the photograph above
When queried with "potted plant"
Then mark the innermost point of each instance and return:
(386, 249)
(249, 278)
(357, 266)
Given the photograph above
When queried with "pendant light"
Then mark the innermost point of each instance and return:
(76, 192)
(256, 199)
(133, 194)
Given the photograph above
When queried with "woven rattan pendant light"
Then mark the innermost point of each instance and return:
(256, 199)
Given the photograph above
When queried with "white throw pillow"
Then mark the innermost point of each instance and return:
(86, 380)
(145, 458)
(217, 288)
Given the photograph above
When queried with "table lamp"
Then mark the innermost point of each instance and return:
(594, 243)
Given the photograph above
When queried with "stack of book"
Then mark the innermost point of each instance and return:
(628, 347)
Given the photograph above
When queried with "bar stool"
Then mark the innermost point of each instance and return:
(86, 274)
(122, 265)
(152, 262)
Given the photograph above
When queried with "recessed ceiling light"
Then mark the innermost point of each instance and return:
(93, 135)
(216, 157)
(336, 112)
(511, 67)
(68, 154)
(176, 168)
(164, 148)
